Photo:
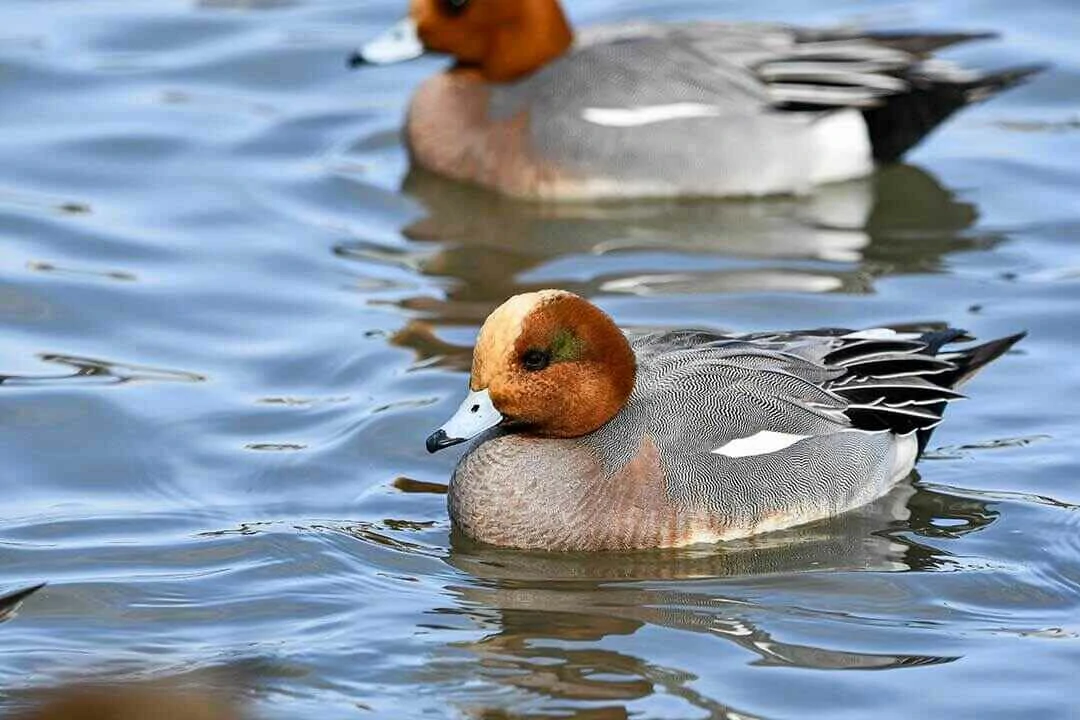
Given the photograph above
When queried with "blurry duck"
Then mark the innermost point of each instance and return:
(162, 699)
(159, 700)
(667, 109)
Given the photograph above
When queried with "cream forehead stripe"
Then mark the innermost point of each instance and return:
(503, 326)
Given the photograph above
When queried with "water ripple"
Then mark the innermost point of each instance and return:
(100, 372)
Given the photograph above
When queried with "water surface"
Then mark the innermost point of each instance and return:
(231, 315)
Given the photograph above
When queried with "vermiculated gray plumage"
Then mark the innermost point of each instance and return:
(697, 392)
(854, 411)
(768, 89)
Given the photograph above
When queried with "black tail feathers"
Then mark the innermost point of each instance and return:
(970, 360)
(902, 120)
(925, 43)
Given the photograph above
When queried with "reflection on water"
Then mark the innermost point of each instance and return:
(840, 239)
(542, 614)
(100, 372)
(216, 694)
(899, 221)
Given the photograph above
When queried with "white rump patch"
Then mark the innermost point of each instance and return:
(842, 148)
(760, 443)
(647, 114)
(906, 453)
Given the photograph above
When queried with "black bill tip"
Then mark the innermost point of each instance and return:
(356, 60)
(439, 440)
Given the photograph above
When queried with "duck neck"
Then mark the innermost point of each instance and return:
(606, 386)
(537, 34)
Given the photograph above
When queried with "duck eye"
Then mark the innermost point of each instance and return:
(535, 360)
(454, 7)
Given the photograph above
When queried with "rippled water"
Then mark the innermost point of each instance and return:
(230, 318)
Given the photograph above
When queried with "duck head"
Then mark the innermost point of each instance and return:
(502, 39)
(548, 364)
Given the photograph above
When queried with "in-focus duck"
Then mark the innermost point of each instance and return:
(591, 438)
(654, 109)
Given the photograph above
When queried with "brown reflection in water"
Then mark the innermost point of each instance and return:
(205, 693)
(138, 701)
(419, 335)
(546, 612)
(841, 239)
(409, 485)
(221, 692)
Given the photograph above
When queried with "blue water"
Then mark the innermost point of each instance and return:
(230, 317)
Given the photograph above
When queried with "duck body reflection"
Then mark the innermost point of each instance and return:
(841, 239)
(547, 621)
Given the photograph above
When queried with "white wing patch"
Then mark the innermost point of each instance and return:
(762, 442)
(881, 334)
(647, 114)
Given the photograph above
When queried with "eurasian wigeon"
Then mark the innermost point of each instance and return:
(591, 438)
(667, 110)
